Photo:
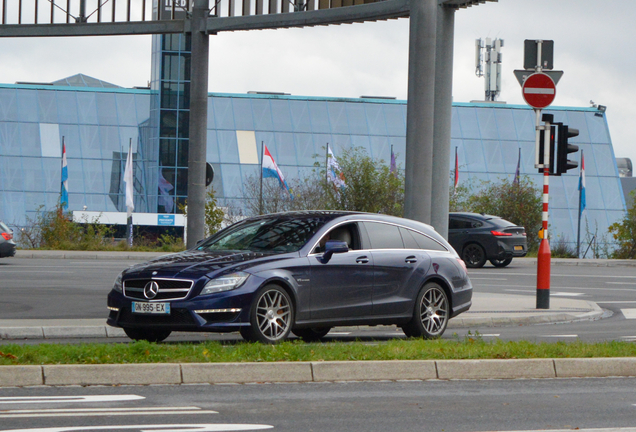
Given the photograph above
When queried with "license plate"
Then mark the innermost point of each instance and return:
(151, 308)
(518, 247)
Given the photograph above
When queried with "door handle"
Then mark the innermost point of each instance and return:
(411, 259)
(362, 260)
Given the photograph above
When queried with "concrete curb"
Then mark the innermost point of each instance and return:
(333, 371)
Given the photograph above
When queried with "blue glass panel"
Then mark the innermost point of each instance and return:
(228, 148)
(76, 177)
(72, 140)
(505, 124)
(9, 139)
(67, 103)
(12, 174)
(527, 158)
(48, 106)
(570, 190)
(614, 216)
(28, 105)
(494, 159)
(211, 114)
(305, 172)
(87, 108)
(319, 116)
(281, 115)
(605, 162)
(30, 139)
(593, 193)
(468, 123)
(472, 158)
(223, 116)
(15, 212)
(142, 102)
(612, 192)
(267, 138)
(510, 152)
(51, 199)
(590, 160)
(305, 149)
(89, 141)
(320, 143)
(212, 148)
(339, 143)
(97, 202)
(242, 110)
(338, 117)
(110, 141)
(593, 222)
(380, 149)
(395, 119)
(456, 131)
(94, 176)
(125, 134)
(362, 141)
(563, 225)
(126, 110)
(76, 201)
(375, 119)
(597, 126)
(300, 116)
(261, 110)
(232, 181)
(399, 149)
(487, 123)
(32, 172)
(357, 118)
(106, 108)
(284, 151)
(8, 105)
(524, 124)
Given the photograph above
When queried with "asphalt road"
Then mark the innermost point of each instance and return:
(75, 289)
(492, 405)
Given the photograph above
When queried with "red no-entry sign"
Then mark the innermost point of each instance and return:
(538, 90)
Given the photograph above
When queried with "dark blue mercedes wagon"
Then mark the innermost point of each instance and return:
(299, 272)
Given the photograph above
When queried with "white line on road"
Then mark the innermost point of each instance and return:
(629, 313)
(553, 275)
(68, 399)
(488, 279)
(621, 283)
(110, 412)
(552, 293)
(154, 428)
(561, 336)
(616, 301)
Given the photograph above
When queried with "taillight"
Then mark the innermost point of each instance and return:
(463, 264)
(7, 236)
(500, 234)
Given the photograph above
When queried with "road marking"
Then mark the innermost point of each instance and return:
(561, 336)
(554, 275)
(629, 339)
(552, 293)
(490, 335)
(629, 313)
(616, 301)
(68, 399)
(338, 333)
(621, 283)
(488, 279)
(94, 412)
(625, 429)
(155, 428)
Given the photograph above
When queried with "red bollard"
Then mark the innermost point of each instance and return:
(543, 275)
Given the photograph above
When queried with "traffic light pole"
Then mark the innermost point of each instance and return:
(544, 255)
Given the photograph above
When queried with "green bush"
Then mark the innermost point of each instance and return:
(624, 233)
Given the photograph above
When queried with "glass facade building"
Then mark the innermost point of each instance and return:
(96, 122)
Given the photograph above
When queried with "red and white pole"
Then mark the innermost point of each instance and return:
(544, 255)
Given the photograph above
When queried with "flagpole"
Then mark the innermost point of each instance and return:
(62, 174)
(130, 219)
(327, 165)
(260, 199)
(578, 232)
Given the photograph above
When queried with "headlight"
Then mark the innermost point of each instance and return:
(224, 283)
(117, 285)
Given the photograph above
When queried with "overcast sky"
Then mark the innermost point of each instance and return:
(593, 45)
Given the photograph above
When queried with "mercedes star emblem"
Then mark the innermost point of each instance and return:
(151, 289)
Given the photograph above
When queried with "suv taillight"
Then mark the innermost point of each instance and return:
(500, 234)
(7, 236)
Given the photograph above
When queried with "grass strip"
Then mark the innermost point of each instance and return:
(213, 351)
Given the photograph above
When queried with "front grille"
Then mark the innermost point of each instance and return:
(169, 289)
(177, 317)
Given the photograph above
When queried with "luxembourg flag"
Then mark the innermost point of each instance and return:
(270, 169)
(582, 186)
(64, 191)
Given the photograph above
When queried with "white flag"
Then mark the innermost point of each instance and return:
(128, 180)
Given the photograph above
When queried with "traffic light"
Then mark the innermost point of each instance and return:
(563, 164)
(542, 149)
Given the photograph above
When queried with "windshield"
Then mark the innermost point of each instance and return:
(277, 235)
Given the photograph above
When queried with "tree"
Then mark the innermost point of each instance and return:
(624, 233)
(214, 215)
(519, 203)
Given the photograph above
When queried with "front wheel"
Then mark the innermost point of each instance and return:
(501, 263)
(150, 335)
(311, 334)
(431, 315)
(271, 316)
(474, 255)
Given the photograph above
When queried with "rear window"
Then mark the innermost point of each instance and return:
(384, 236)
(415, 240)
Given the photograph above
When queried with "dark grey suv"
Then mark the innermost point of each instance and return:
(7, 245)
(478, 238)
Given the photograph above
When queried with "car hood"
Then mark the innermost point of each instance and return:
(198, 263)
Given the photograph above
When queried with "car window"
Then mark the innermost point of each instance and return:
(277, 235)
(455, 223)
(476, 224)
(416, 240)
(384, 236)
(347, 233)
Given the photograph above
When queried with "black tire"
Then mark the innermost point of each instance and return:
(501, 263)
(311, 334)
(150, 335)
(474, 255)
(271, 316)
(431, 314)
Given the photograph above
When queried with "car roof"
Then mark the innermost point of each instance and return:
(481, 216)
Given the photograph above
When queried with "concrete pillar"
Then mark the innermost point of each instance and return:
(198, 124)
(420, 112)
(443, 113)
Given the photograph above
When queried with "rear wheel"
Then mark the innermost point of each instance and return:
(500, 263)
(474, 255)
(431, 314)
(150, 335)
(271, 316)
(311, 334)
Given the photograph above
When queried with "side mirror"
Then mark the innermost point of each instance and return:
(332, 247)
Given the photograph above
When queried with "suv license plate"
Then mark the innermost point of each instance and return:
(518, 248)
(151, 308)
